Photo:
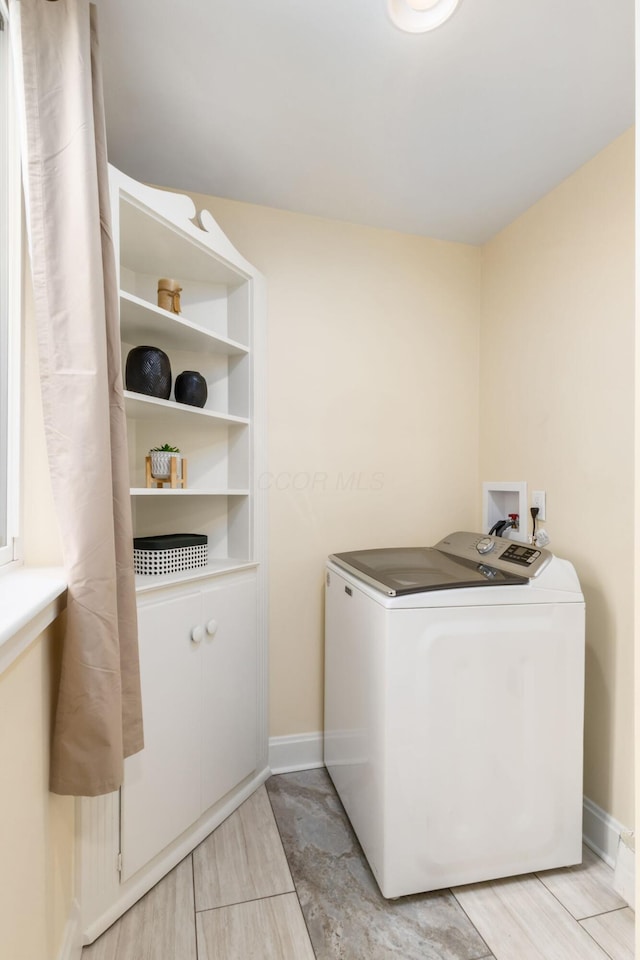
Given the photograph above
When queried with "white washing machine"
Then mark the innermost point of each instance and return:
(454, 700)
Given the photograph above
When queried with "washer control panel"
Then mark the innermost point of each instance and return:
(507, 555)
(518, 553)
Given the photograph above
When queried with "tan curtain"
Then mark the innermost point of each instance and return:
(98, 719)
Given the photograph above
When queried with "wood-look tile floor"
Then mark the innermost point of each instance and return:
(242, 895)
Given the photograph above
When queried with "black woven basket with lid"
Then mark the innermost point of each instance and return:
(170, 553)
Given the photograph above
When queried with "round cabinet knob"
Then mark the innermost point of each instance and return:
(485, 545)
(212, 626)
(197, 634)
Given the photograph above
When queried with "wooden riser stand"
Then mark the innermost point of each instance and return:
(174, 481)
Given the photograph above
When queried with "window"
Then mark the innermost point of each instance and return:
(10, 279)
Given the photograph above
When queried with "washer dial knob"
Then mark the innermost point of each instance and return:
(485, 545)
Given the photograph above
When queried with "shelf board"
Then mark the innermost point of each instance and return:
(189, 492)
(141, 321)
(147, 582)
(140, 407)
(154, 242)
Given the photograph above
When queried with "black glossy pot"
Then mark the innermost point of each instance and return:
(191, 388)
(148, 371)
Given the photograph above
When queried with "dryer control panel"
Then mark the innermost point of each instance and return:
(527, 560)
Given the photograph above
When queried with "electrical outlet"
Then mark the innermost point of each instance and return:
(539, 500)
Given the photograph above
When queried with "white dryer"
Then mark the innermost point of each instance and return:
(454, 701)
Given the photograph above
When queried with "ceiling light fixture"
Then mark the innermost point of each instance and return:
(418, 16)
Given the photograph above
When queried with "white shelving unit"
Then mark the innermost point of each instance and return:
(215, 335)
(202, 631)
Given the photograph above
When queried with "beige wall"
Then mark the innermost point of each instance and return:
(372, 390)
(36, 827)
(556, 409)
(362, 321)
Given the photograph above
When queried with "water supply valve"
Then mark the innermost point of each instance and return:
(515, 520)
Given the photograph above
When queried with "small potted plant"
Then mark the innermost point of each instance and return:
(161, 461)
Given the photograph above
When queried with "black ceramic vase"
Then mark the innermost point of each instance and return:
(191, 388)
(148, 371)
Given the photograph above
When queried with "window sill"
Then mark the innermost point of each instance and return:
(30, 599)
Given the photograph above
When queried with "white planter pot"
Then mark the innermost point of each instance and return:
(161, 464)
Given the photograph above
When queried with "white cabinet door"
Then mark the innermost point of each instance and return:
(229, 670)
(161, 793)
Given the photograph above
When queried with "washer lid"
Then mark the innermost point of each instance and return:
(402, 570)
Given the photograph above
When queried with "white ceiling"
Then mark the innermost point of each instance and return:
(323, 107)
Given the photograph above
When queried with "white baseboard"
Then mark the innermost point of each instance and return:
(614, 844)
(301, 751)
(624, 878)
(601, 832)
(71, 948)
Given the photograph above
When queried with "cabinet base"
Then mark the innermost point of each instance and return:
(123, 896)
